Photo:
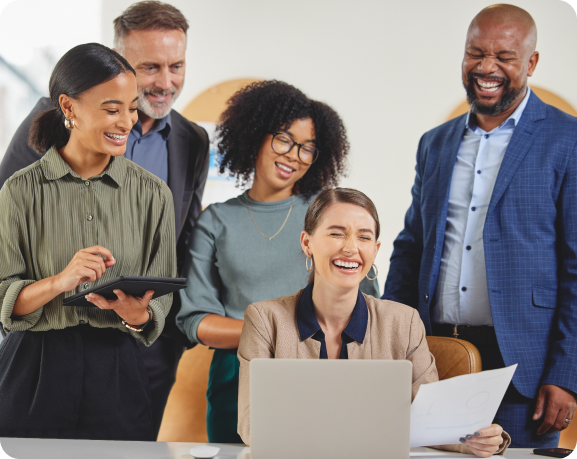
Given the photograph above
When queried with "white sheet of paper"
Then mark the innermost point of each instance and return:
(447, 410)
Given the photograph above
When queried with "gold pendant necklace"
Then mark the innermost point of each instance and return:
(256, 226)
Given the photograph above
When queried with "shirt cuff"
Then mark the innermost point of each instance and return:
(190, 326)
(17, 323)
(152, 331)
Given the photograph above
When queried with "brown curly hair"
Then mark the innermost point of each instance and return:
(267, 106)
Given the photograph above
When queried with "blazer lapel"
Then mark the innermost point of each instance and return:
(447, 164)
(177, 168)
(520, 143)
(361, 351)
(308, 349)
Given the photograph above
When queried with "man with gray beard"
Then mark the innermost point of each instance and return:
(152, 36)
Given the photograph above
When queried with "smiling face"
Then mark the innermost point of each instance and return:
(158, 57)
(103, 115)
(279, 173)
(343, 245)
(499, 56)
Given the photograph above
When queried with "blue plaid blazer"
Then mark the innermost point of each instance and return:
(530, 240)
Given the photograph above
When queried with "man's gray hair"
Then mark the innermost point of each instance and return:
(147, 15)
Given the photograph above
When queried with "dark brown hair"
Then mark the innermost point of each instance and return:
(345, 195)
(332, 196)
(148, 15)
(80, 69)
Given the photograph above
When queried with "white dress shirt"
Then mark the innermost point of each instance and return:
(462, 296)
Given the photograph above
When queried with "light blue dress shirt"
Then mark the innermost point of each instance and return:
(150, 150)
(462, 296)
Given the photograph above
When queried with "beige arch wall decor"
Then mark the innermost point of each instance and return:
(209, 105)
(546, 96)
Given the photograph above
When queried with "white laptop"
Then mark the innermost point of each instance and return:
(330, 409)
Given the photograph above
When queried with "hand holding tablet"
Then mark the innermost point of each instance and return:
(135, 286)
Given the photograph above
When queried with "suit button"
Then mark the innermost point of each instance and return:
(426, 296)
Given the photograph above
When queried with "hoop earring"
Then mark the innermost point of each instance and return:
(69, 123)
(376, 273)
(309, 270)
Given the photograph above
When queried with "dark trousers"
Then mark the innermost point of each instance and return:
(79, 383)
(161, 362)
(515, 414)
(222, 397)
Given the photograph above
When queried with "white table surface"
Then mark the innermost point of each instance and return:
(25, 448)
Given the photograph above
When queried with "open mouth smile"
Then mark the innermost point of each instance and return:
(488, 86)
(116, 139)
(347, 266)
(160, 98)
(284, 170)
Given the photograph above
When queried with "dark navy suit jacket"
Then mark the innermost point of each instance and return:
(530, 242)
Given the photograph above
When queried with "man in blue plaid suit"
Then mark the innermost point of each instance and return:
(489, 248)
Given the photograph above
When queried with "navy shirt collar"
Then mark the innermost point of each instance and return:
(308, 324)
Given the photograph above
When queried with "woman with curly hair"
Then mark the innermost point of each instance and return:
(247, 249)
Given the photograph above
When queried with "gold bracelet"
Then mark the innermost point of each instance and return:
(139, 328)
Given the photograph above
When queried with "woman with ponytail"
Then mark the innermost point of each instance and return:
(81, 215)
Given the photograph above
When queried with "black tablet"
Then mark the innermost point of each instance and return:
(130, 285)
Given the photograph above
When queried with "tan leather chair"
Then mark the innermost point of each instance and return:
(454, 357)
(569, 436)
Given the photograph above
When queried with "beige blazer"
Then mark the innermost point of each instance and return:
(394, 332)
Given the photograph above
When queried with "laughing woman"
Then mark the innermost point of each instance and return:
(246, 249)
(332, 319)
(80, 214)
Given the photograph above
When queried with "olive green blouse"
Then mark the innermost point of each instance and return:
(48, 213)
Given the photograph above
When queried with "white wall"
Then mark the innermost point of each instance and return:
(390, 68)
(34, 34)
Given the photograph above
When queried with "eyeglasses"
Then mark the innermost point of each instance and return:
(282, 144)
